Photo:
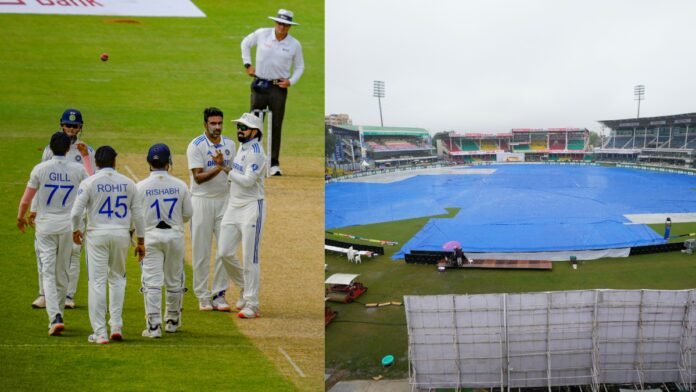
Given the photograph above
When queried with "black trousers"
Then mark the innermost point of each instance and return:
(274, 100)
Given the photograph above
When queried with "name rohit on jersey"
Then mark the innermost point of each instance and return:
(60, 177)
(112, 188)
(162, 192)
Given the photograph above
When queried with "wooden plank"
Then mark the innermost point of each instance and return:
(508, 264)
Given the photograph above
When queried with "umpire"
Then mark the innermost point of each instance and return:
(276, 52)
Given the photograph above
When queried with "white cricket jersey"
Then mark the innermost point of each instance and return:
(274, 58)
(246, 176)
(111, 200)
(73, 155)
(165, 199)
(56, 181)
(200, 156)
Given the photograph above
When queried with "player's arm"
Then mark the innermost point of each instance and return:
(23, 207)
(253, 171)
(196, 163)
(76, 213)
(201, 176)
(139, 221)
(86, 159)
(186, 206)
(32, 212)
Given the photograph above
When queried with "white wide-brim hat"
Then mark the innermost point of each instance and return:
(284, 17)
(250, 121)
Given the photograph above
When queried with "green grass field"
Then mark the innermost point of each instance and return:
(161, 74)
(358, 339)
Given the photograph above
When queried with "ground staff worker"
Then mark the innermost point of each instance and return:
(276, 52)
(112, 204)
(167, 204)
(55, 183)
(71, 123)
(245, 214)
(209, 157)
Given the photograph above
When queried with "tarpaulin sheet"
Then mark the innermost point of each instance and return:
(519, 208)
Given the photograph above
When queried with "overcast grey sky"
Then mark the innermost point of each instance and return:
(490, 66)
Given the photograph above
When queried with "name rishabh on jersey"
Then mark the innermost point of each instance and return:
(56, 181)
(165, 199)
(200, 156)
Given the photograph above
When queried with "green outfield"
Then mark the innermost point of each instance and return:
(360, 336)
(161, 74)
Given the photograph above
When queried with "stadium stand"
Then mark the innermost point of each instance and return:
(468, 145)
(489, 145)
(664, 140)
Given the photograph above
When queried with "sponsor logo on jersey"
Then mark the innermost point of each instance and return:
(254, 167)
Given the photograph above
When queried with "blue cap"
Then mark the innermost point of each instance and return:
(159, 153)
(71, 117)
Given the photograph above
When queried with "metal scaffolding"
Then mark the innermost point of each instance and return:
(582, 338)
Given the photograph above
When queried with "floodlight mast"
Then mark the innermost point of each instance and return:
(378, 92)
(639, 93)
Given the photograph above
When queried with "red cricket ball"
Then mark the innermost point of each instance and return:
(104, 57)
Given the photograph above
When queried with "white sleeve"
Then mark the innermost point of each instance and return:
(79, 207)
(299, 66)
(247, 43)
(47, 154)
(194, 158)
(138, 217)
(253, 171)
(34, 184)
(187, 207)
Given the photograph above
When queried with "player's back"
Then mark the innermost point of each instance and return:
(56, 182)
(110, 198)
(166, 201)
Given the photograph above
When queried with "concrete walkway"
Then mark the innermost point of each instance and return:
(371, 386)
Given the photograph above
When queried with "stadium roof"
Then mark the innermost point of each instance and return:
(372, 130)
(646, 122)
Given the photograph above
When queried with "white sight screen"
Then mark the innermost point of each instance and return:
(587, 337)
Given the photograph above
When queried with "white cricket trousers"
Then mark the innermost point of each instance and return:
(245, 225)
(53, 252)
(73, 270)
(106, 262)
(163, 265)
(205, 222)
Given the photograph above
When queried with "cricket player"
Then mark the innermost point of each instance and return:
(209, 191)
(246, 210)
(167, 204)
(55, 183)
(71, 123)
(112, 203)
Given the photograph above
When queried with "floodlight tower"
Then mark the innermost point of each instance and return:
(639, 93)
(378, 92)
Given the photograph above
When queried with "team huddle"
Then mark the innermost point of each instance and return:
(77, 196)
